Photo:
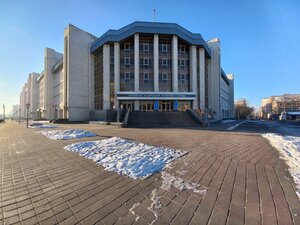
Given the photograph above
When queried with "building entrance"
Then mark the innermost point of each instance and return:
(127, 105)
(147, 106)
(165, 106)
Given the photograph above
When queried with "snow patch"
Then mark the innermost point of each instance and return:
(41, 125)
(67, 134)
(181, 172)
(289, 147)
(155, 205)
(137, 217)
(172, 181)
(136, 160)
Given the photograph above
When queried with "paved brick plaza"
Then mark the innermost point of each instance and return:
(44, 184)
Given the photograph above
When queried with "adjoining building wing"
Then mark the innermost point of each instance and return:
(144, 66)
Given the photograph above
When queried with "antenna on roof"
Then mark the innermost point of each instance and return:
(154, 15)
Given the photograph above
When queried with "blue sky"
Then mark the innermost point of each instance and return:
(260, 39)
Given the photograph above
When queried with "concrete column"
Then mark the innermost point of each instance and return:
(106, 76)
(214, 77)
(136, 105)
(231, 95)
(49, 62)
(117, 71)
(193, 72)
(91, 62)
(155, 59)
(202, 78)
(136, 63)
(174, 63)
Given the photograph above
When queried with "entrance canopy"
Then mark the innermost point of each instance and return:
(156, 95)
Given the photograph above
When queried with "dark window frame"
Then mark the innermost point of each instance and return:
(144, 47)
(126, 46)
(164, 60)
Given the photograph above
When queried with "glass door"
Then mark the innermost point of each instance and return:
(165, 106)
(128, 105)
(147, 106)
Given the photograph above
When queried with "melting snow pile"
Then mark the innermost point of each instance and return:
(41, 125)
(67, 134)
(136, 160)
(289, 147)
(169, 181)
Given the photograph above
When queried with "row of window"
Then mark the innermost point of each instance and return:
(163, 76)
(146, 61)
(146, 47)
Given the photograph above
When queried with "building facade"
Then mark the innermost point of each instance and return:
(23, 100)
(275, 105)
(144, 66)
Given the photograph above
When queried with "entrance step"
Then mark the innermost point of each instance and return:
(161, 119)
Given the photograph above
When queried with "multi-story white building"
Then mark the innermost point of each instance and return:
(32, 97)
(144, 66)
(41, 96)
(15, 111)
(29, 95)
(23, 100)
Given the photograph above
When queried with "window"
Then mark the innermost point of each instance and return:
(127, 76)
(127, 61)
(181, 62)
(182, 76)
(164, 48)
(146, 76)
(164, 62)
(182, 48)
(127, 46)
(164, 76)
(146, 61)
(146, 47)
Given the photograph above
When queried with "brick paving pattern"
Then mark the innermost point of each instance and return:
(43, 184)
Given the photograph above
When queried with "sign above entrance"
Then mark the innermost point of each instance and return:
(156, 95)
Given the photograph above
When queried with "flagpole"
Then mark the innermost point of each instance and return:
(3, 112)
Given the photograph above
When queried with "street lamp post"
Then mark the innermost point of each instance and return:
(19, 115)
(27, 107)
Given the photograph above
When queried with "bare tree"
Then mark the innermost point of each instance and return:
(242, 109)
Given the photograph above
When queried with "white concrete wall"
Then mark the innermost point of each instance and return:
(193, 74)
(41, 94)
(231, 95)
(174, 63)
(23, 100)
(116, 72)
(106, 77)
(224, 100)
(58, 83)
(32, 94)
(78, 73)
(51, 58)
(214, 78)
(202, 78)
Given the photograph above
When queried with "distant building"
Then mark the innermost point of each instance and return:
(29, 95)
(275, 105)
(23, 100)
(15, 110)
(145, 66)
